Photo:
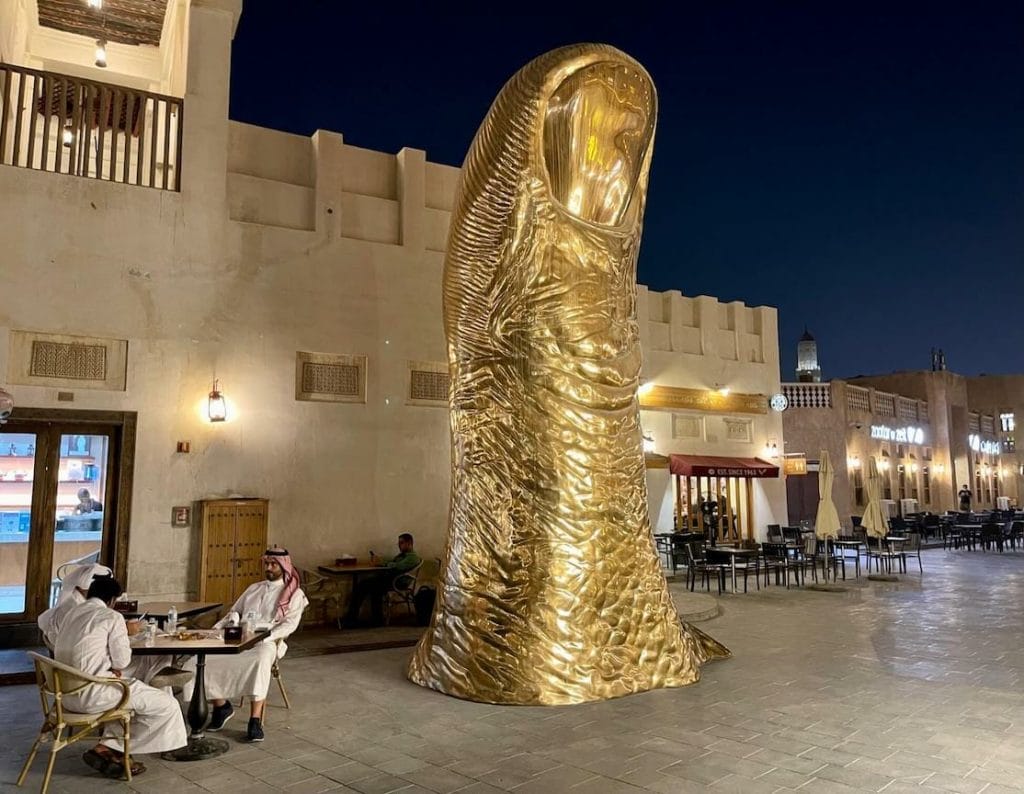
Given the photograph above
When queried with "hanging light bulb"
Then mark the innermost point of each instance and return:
(101, 53)
(68, 135)
(216, 407)
(96, 4)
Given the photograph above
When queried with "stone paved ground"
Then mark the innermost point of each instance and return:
(885, 687)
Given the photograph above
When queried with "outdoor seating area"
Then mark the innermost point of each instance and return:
(790, 557)
(939, 725)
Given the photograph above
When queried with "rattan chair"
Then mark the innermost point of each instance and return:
(275, 673)
(62, 727)
(322, 594)
(403, 588)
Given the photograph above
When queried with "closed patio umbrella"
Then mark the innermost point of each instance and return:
(826, 522)
(874, 520)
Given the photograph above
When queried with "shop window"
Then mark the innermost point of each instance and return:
(926, 485)
(1009, 445)
(858, 487)
(977, 483)
(901, 479)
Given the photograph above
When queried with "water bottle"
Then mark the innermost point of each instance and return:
(172, 620)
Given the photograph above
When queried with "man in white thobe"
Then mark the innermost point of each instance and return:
(157, 671)
(93, 638)
(73, 588)
(276, 602)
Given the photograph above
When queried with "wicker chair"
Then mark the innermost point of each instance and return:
(403, 588)
(62, 727)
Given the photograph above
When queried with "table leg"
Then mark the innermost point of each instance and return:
(199, 747)
(732, 557)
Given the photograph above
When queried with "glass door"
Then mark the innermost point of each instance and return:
(17, 487)
(57, 504)
(83, 465)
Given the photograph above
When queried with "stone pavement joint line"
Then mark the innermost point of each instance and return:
(891, 687)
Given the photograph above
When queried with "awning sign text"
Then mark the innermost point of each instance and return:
(901, 435)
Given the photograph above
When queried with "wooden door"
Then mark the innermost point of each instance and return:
(250, 543)
(217, 574)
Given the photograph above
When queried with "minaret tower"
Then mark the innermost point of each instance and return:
(807, 369)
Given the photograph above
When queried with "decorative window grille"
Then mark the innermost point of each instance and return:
(68, 361)
(330, 377)
(428, 384)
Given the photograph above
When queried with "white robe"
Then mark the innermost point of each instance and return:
(248, 673)
(50, 622)
(94, 639)
(72, 593)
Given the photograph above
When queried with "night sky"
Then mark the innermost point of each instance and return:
(859, 167)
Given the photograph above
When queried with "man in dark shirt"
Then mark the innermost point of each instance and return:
(376, 586)
(965, 499)
(86, 504)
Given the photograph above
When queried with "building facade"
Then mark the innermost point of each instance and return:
(927, 434)
(156, 251)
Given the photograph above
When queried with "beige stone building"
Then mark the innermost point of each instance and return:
(930, 431)
(155, 252)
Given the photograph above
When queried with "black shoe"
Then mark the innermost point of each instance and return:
(254, 733)
(221, 714)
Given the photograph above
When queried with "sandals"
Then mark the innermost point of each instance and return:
(108, 766)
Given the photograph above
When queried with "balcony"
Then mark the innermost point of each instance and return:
(69, 125)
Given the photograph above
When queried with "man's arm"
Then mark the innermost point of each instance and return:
(235, 607)
(292, 617)
(118, 647)
(405, 562)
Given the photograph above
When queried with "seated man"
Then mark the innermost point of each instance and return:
(73, 589)
(86, 504)
(376, 586)
(277, 601)
(94, 639)
(157, 671)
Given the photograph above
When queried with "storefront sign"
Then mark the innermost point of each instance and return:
(901, 435)
(978, 444)
(795, 465)
(676, 397)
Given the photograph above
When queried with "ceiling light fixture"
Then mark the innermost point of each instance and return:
(96, 5)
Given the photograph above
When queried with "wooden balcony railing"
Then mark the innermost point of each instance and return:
(68, 125)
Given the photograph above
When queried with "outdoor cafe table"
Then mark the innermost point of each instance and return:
(199, 746)
(355, 571)
(733, 554)
(842, 546)
(971, 533)
(158, 610)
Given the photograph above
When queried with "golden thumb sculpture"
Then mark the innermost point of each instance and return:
(551, 590)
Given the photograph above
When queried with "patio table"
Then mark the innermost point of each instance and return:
(209, 641)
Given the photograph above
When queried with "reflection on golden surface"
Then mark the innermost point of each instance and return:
(551, 591)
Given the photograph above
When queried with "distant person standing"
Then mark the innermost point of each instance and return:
(965, 499)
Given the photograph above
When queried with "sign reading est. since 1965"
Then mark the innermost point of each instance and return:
(901, 435)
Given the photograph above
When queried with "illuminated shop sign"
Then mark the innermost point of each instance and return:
(978, 444)
(901, 435)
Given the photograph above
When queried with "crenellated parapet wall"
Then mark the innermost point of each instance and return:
(321, 184)
(730, 332)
